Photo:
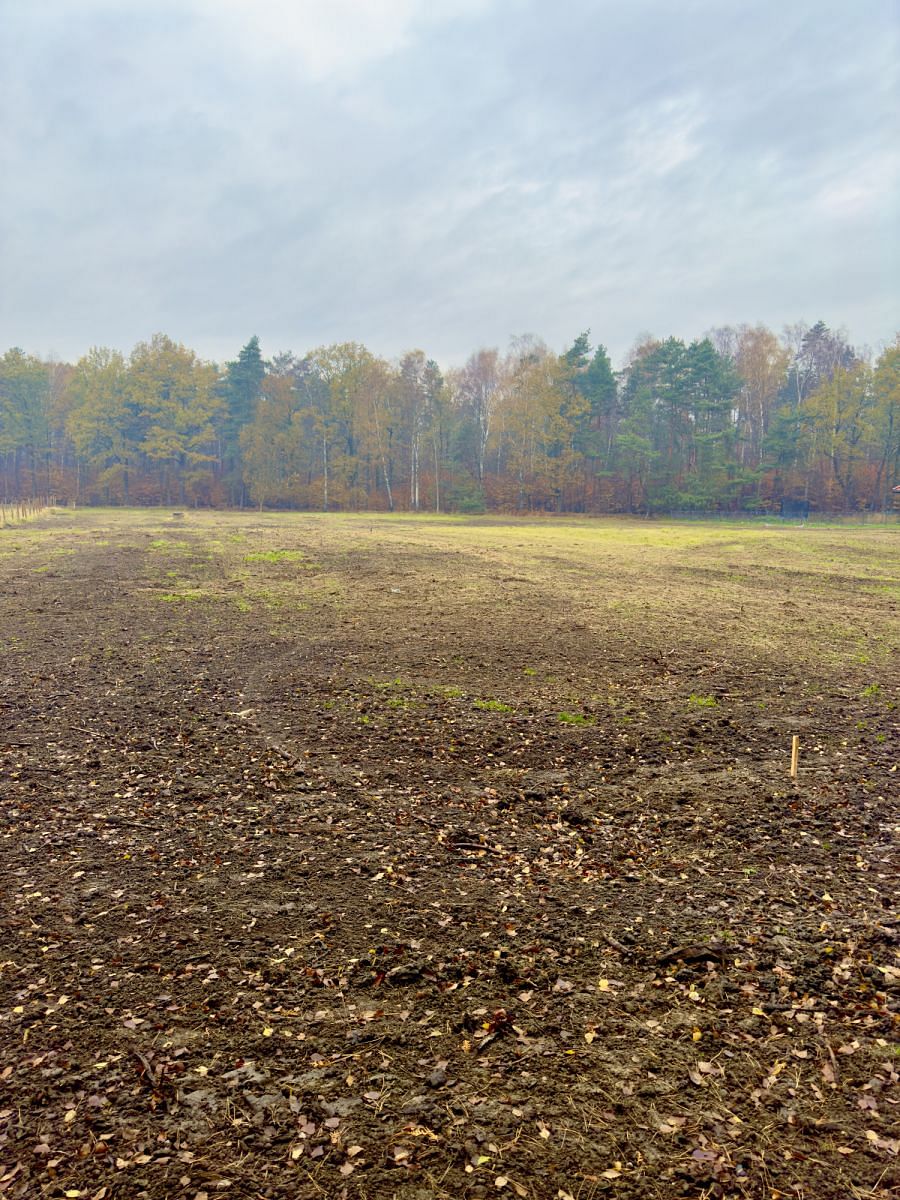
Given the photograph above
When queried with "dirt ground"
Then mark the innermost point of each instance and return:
(370, 857)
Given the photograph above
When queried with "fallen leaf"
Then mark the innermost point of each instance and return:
(672, 1124)
(774, 1073)
(892, 1145)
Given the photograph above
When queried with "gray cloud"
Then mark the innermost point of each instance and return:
(445, 174)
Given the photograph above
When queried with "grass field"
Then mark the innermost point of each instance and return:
(417, 857)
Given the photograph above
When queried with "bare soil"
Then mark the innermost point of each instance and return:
(405, 859)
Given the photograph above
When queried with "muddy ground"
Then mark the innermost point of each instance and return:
(369, 858)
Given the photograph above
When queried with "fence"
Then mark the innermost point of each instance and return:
(13, 512)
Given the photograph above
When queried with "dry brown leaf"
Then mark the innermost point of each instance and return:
(892, 1145)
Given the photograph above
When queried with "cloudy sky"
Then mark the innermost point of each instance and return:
(444, 174)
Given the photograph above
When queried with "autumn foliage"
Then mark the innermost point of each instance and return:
(738, 420)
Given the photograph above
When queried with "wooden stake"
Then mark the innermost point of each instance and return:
(795, 755)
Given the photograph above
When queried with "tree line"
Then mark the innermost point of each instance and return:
(737, 420)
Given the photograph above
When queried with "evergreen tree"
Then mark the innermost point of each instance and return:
(241, 390)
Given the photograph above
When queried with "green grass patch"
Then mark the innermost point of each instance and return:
(572, 718)
(496, 706)
(180, 597)
(273, 556)
(702, 701)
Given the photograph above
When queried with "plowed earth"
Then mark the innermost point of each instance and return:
(371, 857)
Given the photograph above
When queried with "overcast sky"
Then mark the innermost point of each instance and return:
(444, 174)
